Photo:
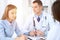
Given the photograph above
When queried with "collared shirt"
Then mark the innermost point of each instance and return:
(7, 30)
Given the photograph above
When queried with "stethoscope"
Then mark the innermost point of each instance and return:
(35, 29)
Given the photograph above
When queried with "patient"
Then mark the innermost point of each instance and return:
(8, 24)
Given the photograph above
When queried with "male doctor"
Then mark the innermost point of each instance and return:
(37, 25)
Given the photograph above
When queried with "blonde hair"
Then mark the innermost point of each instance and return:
(7, 9)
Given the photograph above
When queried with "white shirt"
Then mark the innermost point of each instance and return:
(54, 33)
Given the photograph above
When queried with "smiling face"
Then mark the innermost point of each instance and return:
(12, 14)
(37, 8)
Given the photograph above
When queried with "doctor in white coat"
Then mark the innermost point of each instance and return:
(37, 25)
(54, 33)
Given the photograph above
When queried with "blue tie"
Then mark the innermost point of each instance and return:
(38, 19)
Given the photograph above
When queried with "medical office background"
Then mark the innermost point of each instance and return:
(24, 9)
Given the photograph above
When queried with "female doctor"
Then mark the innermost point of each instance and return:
(8, 24)
(54, 33)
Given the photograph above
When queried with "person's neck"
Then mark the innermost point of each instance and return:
(38, 14)
(9, 20)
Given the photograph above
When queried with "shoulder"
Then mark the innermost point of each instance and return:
(1, 23)
(44, 15)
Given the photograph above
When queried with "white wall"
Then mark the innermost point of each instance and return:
(50, 5)
(2, 7)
